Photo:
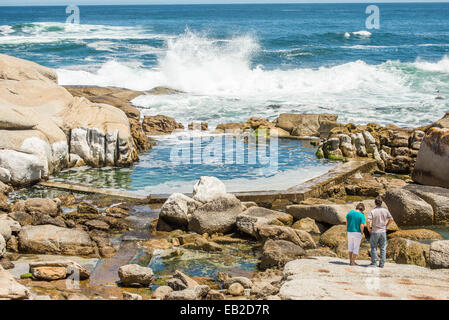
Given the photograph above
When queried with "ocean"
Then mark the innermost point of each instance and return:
(238, 61)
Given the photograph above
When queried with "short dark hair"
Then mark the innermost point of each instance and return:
(378, 201)
(360, 207)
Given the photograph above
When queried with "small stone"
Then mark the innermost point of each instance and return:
(236, 289)
(131, 296)
(133, 274)
(84, 208)
(161, 292)
(49, 273)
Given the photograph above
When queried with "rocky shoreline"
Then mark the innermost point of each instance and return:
(211, 245)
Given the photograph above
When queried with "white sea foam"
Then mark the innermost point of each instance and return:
(360, 34)
(221, 84)
(47, 32)
(440, 66)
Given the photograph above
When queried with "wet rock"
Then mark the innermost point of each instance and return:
(276, 253)
(161, 292)
(10, 289)
(202, 244)
(416, 234)
(404, 251)
(251, 219)
(432, 162)
(307, 225)
(97, 224)
(133, 274)
(439, 254)
(236, 289)
(303, 124)
(160, 125)
(200, 126)
(55, 240)
(67, 200)
(86, 208)
(217, 216)
(407, 208)
(177, 209)
(116, 212)
(298, 237)
(49, 273)
(208, 189)
(131, 296)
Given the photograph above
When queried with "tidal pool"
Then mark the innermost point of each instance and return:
(178, 161)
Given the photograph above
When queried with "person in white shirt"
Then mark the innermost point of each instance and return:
(378, 220)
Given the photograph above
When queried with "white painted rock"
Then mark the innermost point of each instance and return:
(208, 189)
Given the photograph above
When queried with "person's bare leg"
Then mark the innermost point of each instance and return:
(354, 257)
(350, 258)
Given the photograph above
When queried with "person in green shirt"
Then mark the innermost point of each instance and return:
(355, 223)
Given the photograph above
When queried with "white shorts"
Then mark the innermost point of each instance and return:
(354, 239)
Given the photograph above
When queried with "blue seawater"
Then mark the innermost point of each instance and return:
(234, 61)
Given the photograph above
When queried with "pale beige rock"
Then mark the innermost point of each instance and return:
(432, 164)
(52, 239)
(10, 289)
(325, 278)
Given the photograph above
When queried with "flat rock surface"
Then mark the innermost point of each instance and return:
(323, 278)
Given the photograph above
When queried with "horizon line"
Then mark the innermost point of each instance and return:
(236, 3)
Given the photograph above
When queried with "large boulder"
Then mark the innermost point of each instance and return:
(38, 205)
(327, 213)
(45, 129)
(307, 225)
(432, 164)
(160, 125)
(10, 289)
(298, 237)
(407, 208)
(416, 234)
(50, 239)
(405, 251)
(217, 216)
(439, 254)
(305, 124)
(437, 197)
(254, 217)
(177, 209)
(334, 237)
(133, 274)
(208, 189)
(276, 253)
